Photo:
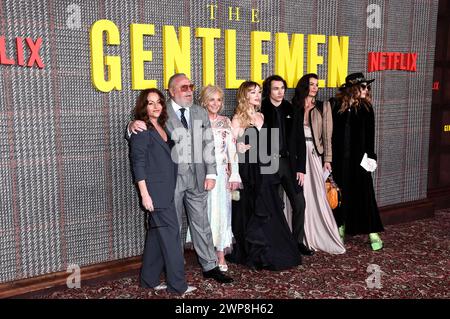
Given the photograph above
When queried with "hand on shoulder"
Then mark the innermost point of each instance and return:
(137, 126)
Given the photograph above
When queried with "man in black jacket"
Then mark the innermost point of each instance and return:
(290, 151)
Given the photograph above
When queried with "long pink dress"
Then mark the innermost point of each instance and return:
(321, 231)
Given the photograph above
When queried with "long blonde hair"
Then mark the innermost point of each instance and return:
(243, 106)
(346, 95)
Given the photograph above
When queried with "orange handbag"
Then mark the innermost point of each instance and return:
(334, 195)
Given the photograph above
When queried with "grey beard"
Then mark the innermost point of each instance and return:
(189, 104)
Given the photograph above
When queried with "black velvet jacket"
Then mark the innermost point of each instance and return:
(295, 136)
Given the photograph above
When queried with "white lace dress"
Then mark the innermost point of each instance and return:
(219, 198)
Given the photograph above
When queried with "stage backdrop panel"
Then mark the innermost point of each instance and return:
(66, 192)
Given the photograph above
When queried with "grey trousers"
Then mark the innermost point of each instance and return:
(194, 201)
(162, 251)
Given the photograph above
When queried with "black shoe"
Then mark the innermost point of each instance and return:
(304, 250)
(217, 275)
(260, 266)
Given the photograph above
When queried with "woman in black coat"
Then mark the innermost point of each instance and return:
(353, 140)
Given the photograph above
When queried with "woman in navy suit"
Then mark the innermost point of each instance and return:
(155, 174)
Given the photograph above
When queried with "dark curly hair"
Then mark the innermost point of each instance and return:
(140, 110)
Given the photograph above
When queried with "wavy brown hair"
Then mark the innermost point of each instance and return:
(302, 90)
(346, 95)
(140, 110)
(243, 105)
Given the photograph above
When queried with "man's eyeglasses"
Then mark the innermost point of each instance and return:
(185, 88)
(364, 86)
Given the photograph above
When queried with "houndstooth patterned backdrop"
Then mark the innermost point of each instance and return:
(66, 193)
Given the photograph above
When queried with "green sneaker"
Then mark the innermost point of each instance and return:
(342, 232)
(375, 241)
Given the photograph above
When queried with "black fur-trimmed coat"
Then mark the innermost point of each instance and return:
(354, 135)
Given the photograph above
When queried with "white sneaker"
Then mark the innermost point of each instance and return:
(223, 267)
(190, 289)
(161, 286)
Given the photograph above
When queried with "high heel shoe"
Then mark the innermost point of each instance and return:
(375, 241)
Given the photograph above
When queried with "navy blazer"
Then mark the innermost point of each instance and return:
(151, 161)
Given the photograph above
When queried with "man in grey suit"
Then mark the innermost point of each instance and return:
(190, 129)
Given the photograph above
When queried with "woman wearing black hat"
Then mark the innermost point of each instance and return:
(354, 159)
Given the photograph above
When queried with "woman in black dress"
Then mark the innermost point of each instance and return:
(262, 235)
(354, 139)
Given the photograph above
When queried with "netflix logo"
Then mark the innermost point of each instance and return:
(32, 48)
(380, 61)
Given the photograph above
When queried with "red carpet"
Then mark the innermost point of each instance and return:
(415, 263)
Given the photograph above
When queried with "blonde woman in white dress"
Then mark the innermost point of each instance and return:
(228, 179)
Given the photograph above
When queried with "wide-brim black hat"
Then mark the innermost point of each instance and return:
(355, 79)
